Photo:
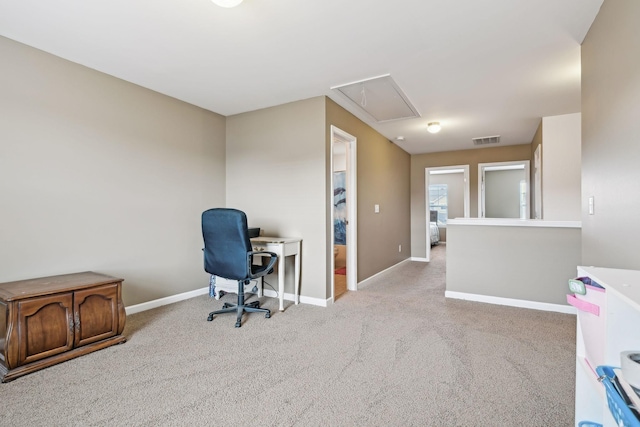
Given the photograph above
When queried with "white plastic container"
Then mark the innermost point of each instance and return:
(591, 308)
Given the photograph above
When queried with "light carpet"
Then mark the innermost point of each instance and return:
(394, 353)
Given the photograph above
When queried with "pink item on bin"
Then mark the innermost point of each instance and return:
(590, 306)
(583, 305)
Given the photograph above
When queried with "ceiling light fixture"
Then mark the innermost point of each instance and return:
(433, 127)
(227, 3)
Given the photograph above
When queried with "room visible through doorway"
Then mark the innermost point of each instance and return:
(343, 212)
(447, 196)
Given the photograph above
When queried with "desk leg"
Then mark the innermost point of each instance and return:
(296, 284)
(281, 281)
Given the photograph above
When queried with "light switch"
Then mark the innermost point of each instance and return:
(376, 208)
(591, 205)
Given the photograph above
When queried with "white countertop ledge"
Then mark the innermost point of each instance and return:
(508, 222)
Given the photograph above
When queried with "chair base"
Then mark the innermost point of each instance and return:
(240, 308)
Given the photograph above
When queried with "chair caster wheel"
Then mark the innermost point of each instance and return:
(221, 294)
(267, 315)
(210, 318)
(237, 324)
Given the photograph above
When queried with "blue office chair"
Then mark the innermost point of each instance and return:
(228, 253)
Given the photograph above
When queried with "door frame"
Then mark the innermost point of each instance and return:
(338, 135)
(467, 197)
(537, 183)
(516, 164)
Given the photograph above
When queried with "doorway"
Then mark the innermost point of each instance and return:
(446, 196)
(504, 190)
(343, 213)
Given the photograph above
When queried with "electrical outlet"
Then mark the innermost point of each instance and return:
(376, 208)
(399, 248)
(591, 205)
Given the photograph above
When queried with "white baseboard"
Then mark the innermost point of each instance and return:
(544, 306)
(325, 303)
(415, 258)
(364, 282)
(166, 300)
(204, 291)
(303, 300)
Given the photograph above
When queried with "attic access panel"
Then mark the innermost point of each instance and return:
(379, 97)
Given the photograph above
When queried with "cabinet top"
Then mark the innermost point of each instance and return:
(21, 289)
(625, 283)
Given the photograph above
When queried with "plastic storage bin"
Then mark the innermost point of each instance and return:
(591, 307)
(589, 424)
(618, 408)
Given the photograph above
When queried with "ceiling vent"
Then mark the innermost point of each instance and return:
(486, 140)
(380, 98)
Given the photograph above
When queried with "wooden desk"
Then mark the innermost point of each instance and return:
(281, 246)
(50, 320)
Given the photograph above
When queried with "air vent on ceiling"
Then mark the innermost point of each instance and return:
(486, 140)
(380, 97)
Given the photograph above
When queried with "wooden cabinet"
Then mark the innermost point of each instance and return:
(52, 319)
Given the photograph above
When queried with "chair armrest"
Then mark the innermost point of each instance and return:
(273, 257)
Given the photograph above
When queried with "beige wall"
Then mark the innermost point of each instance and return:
(99, 174)
(383, 178)
(451, 158)
(610, 133)
(276, 173)
(561, 161)
(528, 263)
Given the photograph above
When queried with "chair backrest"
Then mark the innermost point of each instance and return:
(226, 243)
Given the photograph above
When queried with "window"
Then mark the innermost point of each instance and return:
(438, 202)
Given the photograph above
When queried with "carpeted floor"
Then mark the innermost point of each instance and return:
(394, 353)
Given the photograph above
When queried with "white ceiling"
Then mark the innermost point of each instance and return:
(481, 68)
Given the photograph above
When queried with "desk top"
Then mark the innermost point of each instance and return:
(267, 239)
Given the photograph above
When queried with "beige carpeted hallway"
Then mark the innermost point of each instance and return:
(394, 353)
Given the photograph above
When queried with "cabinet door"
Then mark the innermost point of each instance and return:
(45, 327)
(96, 313)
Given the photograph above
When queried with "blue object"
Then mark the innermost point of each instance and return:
(228, 254)
(619, 409)
(589, 424)
(212, 286)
